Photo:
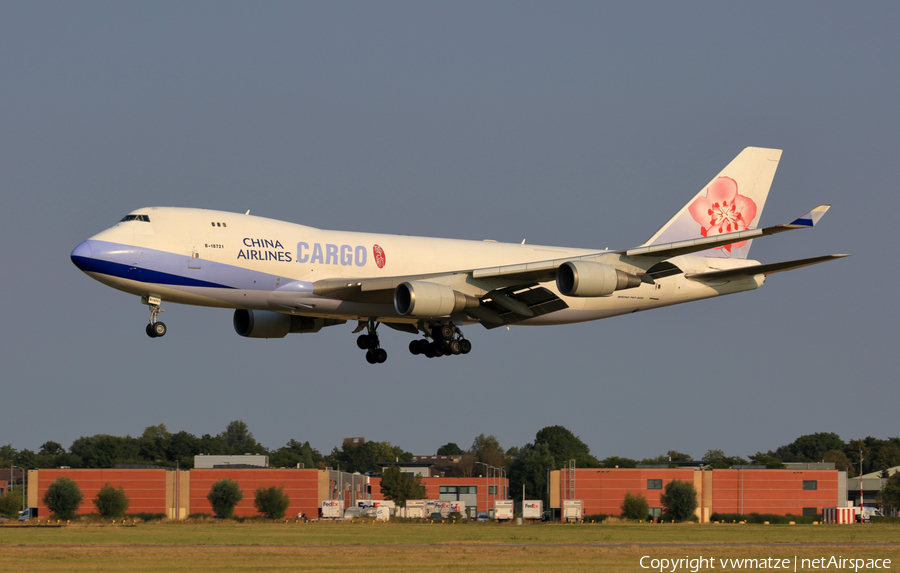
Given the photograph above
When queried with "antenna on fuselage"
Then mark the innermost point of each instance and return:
(248, 212)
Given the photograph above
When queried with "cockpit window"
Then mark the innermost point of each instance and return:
(143, 218)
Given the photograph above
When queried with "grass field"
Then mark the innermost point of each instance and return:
(153, 547)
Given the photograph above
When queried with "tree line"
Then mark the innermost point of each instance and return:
(528, 465)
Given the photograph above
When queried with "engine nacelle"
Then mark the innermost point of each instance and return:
(587, 278)
(266, 324)
(426, 299)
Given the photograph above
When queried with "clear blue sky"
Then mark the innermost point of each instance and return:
(576, 124)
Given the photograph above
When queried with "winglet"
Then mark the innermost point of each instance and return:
(809, 219)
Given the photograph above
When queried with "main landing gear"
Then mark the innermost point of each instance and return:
(155, 329)
(369, 342)
(446, 340)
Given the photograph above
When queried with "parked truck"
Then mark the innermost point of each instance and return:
(532, 509)
(572, 510)
(415, 508)
(332, 509)
(503, 510)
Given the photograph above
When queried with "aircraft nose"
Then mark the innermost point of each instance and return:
(82, 255)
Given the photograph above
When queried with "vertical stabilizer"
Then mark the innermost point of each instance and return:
(732, 201)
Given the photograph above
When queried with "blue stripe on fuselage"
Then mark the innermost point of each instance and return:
(138, 274)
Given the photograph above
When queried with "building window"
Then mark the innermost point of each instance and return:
(654, 484)
(492, 490)
(810, 485)
(467, 489)
(447, 489)
(811, 511)
(655, 512)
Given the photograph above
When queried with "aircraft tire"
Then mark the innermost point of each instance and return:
(454, 346)
(438, 349)
(159, 329)
(380, 355)
(414, 348)
(370, 357)
(447, 332)
(362, 341)
(149, 330)
(373, 341)
(465, 346)
(428, 351)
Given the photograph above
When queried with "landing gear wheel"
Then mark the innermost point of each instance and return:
(362, 341)
(447, 331)
(149, 330)
(429, 351)
(380, 355)
(372, 341)
(370, 357)
(438, 348)
(159, 329)
(465, 346)
(454, 346)
(414, 348)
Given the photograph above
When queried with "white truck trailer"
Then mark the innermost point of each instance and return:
(332, 509)
(572, 510)
(503, 509)
(532, 509)
(415, 508)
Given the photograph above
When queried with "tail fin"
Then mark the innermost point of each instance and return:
(732, 201)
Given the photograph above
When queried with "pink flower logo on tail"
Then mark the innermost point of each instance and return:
(723, 210)
(379, 256)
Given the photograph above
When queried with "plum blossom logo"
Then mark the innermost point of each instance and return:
(379, 256)
(723, 210)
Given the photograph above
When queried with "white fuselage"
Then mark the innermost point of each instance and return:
(215, 258)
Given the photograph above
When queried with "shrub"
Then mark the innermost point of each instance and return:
(884, 519)
(223, 496)
(63, 498)
(596, 518)
(11, 502)
(679, 500)
(271, 501)
(764, 517)
(111, 502)
(147, 516)
(635, 506)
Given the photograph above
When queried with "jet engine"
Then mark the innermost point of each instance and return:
(265, 324)
(426, 299)
(587, 278)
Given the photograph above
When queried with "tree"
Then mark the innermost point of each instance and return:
(679, 500)
(450, 449)
(487, 450)
(719, 461)
(399, 486)
(364, 457)
(271, 501)
(223, 496)
(103, 451)
(812, 447)
(63, 498)
(565, 446)
(239, 439)
(530, 470)
(617, 462)
(293, 453)
(886, 457)
(111, 502)
(11, 502)
(768, 460)
(889, 496)
(635, 507)
(840, 460)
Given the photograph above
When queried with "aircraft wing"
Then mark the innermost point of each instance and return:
(767, 269)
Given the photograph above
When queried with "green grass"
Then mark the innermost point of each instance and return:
(218, 546)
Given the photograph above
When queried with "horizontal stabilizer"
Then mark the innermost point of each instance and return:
(767, 269)
(669, 250)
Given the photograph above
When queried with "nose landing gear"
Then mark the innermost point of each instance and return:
(369, 342)
(155, 329)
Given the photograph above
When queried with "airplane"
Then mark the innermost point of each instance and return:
(284, 278)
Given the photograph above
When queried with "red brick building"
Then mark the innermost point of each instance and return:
(745, 491)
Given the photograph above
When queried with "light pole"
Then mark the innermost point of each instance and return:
(22, 485)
